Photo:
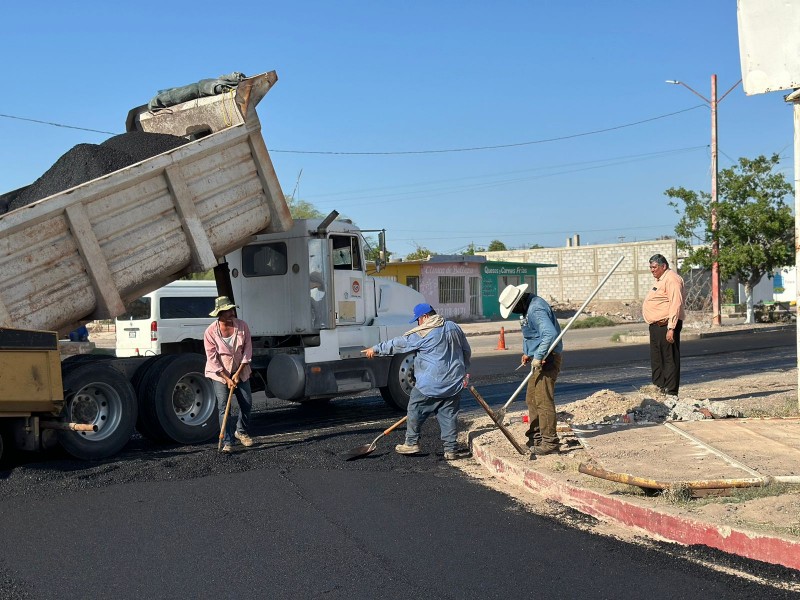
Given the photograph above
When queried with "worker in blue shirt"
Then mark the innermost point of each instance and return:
(540, 328)
(440, 371)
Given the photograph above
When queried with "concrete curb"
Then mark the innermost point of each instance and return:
(652, 522)
(639, 338)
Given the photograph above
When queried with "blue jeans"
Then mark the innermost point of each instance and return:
(245, 400)
(420, 407)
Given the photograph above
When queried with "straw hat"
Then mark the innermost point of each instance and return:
(220, 304)
(509, 298)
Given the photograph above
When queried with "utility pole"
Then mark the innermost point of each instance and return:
(715, 297)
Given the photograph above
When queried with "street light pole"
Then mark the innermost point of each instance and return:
(715, 305)
(715, 309)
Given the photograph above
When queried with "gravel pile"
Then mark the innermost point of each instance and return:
(85, 162)
(607, 406)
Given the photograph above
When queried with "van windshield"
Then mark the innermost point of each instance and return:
(190, 307)
(136, 310)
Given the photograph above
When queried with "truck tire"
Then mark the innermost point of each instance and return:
(85, 358)
(145, 425)
(179, 400)
(96, 393)
(397, 391)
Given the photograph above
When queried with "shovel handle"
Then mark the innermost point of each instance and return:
(396, 425)
(225, 419)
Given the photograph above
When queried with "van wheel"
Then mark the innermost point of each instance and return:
(179, 399)
(397, 391)
(96, 393)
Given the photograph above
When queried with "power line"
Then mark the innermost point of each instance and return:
(497, 147)
(57, 124)
(610, 162)
(402, 152)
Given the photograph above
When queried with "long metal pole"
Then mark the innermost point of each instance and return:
(563, 331)
(796, 110)
(716, 317)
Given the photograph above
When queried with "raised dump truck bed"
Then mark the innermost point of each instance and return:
(85, 252)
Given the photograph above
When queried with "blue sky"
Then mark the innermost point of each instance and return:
(407, 77)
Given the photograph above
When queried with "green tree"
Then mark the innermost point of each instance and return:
(755, 224)
(496, 245)
(301, 209)
(421, 253)
(372, 250)
(472, 249)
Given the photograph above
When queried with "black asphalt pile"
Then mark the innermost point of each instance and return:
(85, 162)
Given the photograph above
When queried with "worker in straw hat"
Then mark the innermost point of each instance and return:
(229, 351)
(540, 328)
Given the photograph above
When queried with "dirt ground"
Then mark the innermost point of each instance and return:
(611, 443)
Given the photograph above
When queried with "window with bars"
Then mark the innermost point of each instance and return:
(451, 290)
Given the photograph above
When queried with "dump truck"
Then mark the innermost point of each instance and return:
(215, 202)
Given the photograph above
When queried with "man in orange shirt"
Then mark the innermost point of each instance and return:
(663, 310)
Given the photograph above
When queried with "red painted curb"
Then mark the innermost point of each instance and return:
(662, 525)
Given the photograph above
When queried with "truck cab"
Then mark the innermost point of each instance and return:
(312, 307)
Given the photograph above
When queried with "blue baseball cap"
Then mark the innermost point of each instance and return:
(419, 310)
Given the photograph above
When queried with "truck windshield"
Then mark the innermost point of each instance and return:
(346, 255)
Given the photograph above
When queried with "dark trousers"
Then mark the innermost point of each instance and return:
(665, 358)
(540, 398)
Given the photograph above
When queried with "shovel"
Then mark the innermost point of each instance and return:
(369, 448)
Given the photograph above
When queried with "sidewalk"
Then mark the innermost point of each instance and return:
(552, 477)
(556, 477)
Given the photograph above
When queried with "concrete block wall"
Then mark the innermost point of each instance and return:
(581, 268)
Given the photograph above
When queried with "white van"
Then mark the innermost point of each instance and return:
(171, 319)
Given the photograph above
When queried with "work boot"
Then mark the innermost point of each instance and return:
(542, 449)
(407, 448)
(457, 453)
(244, 438)
(227, 448)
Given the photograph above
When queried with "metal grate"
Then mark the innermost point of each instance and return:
(451, 290)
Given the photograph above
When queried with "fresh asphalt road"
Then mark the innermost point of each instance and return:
(290, 519)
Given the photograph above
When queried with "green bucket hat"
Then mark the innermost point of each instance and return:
(220, 304)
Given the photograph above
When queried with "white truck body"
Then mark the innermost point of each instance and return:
(312, 308)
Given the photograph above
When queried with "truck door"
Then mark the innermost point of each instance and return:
(348, 279)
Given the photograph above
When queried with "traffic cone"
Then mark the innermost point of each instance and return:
(501, 343)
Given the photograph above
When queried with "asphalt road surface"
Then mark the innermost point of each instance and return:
(290, 518)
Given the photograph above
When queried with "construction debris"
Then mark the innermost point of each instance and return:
(607, 407)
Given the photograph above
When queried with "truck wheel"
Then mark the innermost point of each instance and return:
(397, 391)
(85, 358)
(96, 393)
(180, 399)
(145, 424)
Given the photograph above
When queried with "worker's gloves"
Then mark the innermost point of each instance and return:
(536, 364)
